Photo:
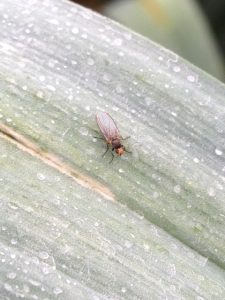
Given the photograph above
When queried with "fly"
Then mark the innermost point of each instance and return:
(111, 133)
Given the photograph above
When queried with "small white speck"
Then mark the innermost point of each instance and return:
(106, 77)
(84, 35)
(177, 189)
(196, 160)
(7, 287)
(123, 290)
(119, 89)
(211, 192)
(75, 30)
(167, 86)
(191, 78)
(42, 78)
(11, 275)
(128, 244)
(160, 58)
(155, 195)
(128, 36)
(41, 176)
(176, 69)
(121, 53)
(83, 131)
(53, 22)
(57, 290)
(121, 170)
(43, 255)
(218, 151)
(39, 94)
(34, 282)
(117, 42)
(146, 247)
(51, 88)
(90, 61)
(173, 113)
(13, 241)
(115, 108)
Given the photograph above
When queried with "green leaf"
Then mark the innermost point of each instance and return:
(177, 25)
(150, 225)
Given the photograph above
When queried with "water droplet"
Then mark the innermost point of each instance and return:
(128, 244)
(84, 35)
(173, 113)
(13, 206)
(117, 42)
(128, 36)
(211, 192)
(11, 275)
(13, 241)
(43, 255)
(90, 61)
(155, 195)
(106, 77)
(119, 89)
(83, 131)
(191, 78)
(146, 247)
(218, 151)
(7, 287)
(57, 290)
(75, 30)
(196, 160)
(42, 78)
(41, 176)
(115, 108)
(51, 88)
(53, 21)
(40, 94)
(176, 69)
(177, 189)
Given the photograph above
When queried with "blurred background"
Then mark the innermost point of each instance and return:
(194, 29)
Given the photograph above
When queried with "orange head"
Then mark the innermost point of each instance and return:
(120, 150)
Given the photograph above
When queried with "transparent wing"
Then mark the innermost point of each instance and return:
(107, 126)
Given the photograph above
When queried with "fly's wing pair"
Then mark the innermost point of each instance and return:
(107, 126)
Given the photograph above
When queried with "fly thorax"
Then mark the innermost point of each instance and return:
(116, 143)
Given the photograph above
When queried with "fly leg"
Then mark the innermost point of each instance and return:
(123, 139)
(128, 151)
(112, 156)
(107, 148)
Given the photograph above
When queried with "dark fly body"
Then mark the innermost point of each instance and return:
(111, 133)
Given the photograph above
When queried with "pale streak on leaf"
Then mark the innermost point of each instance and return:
(52, 160)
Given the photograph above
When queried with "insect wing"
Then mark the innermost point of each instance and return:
(107, 126)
